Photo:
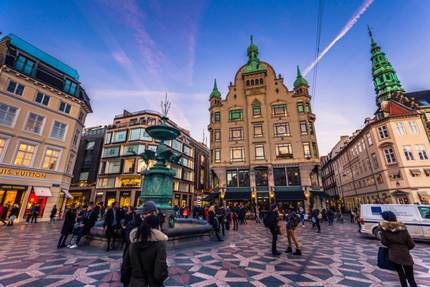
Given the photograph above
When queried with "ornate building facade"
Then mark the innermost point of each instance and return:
(262, 136)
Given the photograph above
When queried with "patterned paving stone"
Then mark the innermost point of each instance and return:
(339, 256)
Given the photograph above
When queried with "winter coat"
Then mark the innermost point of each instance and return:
(14, 211)
(396, 237)
(53, 212)
(69, 222)
(292, 220)
(145, 263)
(109, 218)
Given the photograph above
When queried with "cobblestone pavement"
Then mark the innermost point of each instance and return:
(339, 256)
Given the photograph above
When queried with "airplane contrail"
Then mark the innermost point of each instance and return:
(342, 33)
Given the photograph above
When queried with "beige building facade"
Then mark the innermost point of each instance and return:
(42, 113)
(262, 137)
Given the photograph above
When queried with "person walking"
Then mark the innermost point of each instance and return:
(220, 213)
(302, 216)
(315, 218)
(330, 216)
(235, 219)
(145, 261)
(68, 225)
(396, 237)
(53, 214)
(213, 220)
(292, 220)
(30, 213)
(13, 214)
(271, 221)
(112, 224)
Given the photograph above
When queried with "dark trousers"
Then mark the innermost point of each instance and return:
(62, 240)
(405, 273)
(111, 235)
(79, 232)
(222, 225)
(216, 231)
(235, 224)
(34, 218)
(274, 232)
(317, 224)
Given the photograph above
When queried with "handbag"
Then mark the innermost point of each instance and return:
(383, 260)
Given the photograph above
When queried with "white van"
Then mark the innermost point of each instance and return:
(415, 216)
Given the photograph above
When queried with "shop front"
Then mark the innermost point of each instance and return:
(12, 194)
(38, 196)
(79, 197)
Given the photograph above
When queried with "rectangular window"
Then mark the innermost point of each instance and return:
(70, 87)
(375, 161)
(281, 129)
(422, 153)
(24, 65)
(188, 151)
(129, 165)
(243, 178)
(383, 132)
(414, 128)
(232, 178)
(279, 109)
(58, 130)
(34, 123)
(408, 153)
(7, 115)
(217, 135)
(111, 151)
(315, 149)
(279, 176)
(15, 88)
(83, 176)
(369, 139)
(135, 149)
(113, 166)
(400, 129)
(389, 155)
(108, 138)
(300, 107)
(2, 146)
(256, 110)
(90, 145)
(259, 151)
(119, 136)
(307, 150)
(42, 99)
(293, 175)
(258, 130)
(51, 159)
(217, 117)
(65, 108)
(261, 177)
(284, 150)
(236, 134)
(76, 137)
(217, 155)
(177, 145)
(25, 154)
(235, 115)
(237, 154)
(139, 134)
(303, 127)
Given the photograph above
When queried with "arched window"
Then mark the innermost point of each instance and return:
(252, 82)
(247, 82)
(261, 81)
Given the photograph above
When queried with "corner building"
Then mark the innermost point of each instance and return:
(42, 113)
(262, 137)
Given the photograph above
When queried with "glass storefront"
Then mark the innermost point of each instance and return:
(80, 198)
(110, 198)
(34, 199)
(12, 194)
(124, 198)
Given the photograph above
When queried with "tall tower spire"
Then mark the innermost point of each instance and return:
(215, 92)
(253, 60)
(384, 76)
(300, 81)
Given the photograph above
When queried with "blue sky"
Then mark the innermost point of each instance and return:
(129, 53)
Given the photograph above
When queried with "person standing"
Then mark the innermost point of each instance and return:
(220, 213)
(30, 213)
(315, 218)
(35, 214)
(271, 221)
(302, 216)
(396, 237)
(53, 214)
(235, 219)
(68, 225)
(292, 222)
(330, 216)
(213, 220)
(145, 261)
(13, 214)
(111, 225)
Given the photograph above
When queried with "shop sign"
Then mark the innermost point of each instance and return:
(23, 173)
(12, 187)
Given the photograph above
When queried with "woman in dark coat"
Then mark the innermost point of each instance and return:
(68, 225)
(144, 263)
(396, 237)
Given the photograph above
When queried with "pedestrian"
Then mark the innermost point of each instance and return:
(271, 221)
(302, 216)
(220, 213)
(13, 214)
(31, 211)
(111, 225)
(235, 219)
(315, 218)
(145, 261)
(396, 237)
(292, 220)
(357, 218)
(87, 220)
(353, 215)
(3, 216)
(330, 216)
(213, 220)
(68, 225)
(53, 214)
(229, 218)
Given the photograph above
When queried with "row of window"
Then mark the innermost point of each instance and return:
(283, 176)
(111, 182)
(282, 150)
(35, 123)
(40, 98)
(400, 128)
(277, 110)
(25, 154)
(26, 66)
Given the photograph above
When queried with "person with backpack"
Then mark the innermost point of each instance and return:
(271, 221)
(292, 220)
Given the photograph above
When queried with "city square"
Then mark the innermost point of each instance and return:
(301, 127)
(339, 256)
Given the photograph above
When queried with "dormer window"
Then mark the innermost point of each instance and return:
(24, 65)
(70, 87)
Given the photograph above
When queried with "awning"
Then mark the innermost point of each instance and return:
(237, 195)
(211, 196)
(289, 195)
(320, 193)
(42, 191)
(67, 193)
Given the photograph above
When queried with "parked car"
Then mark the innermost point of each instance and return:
(416, 217)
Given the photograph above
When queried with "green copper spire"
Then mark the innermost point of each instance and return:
(300, 81)
(215, 92)
(384, 76)
(253, 61)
